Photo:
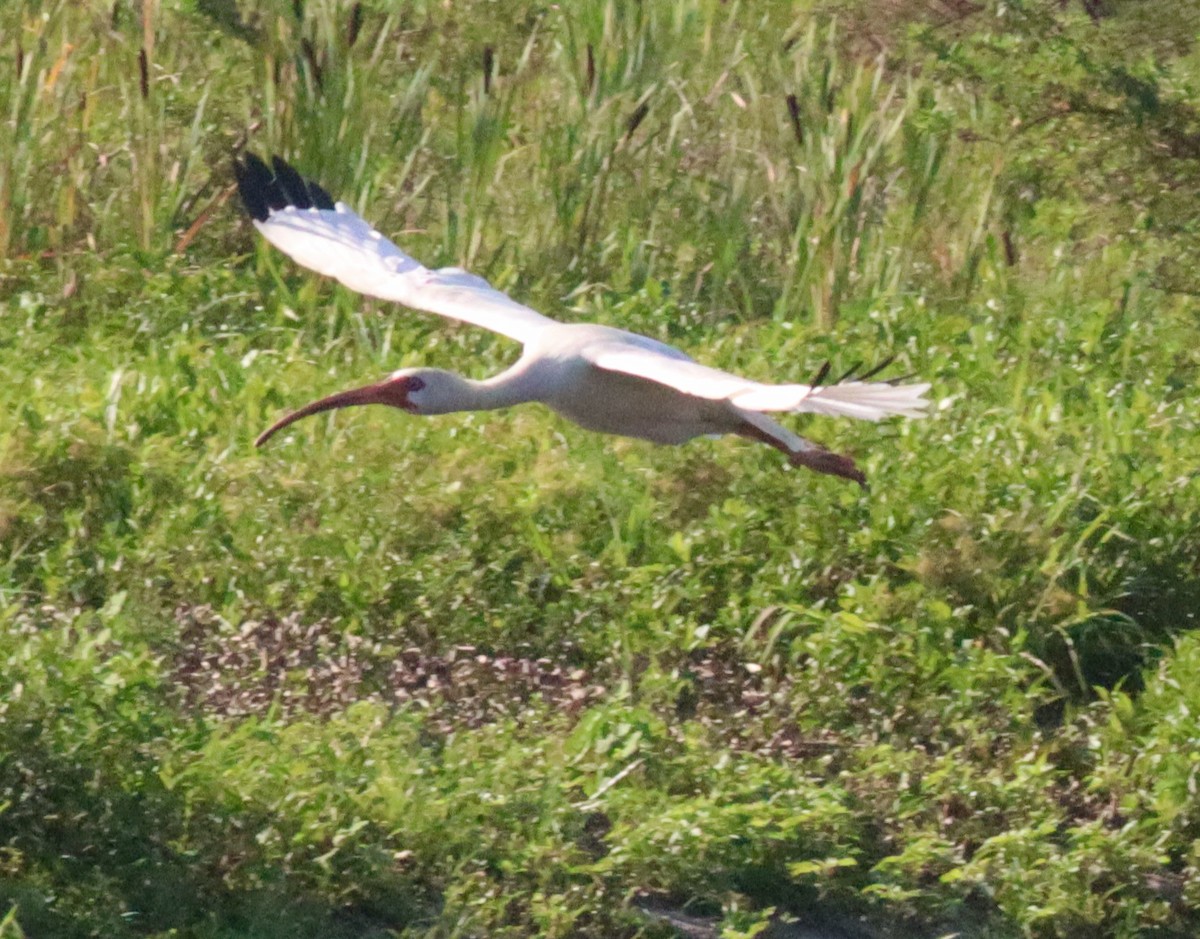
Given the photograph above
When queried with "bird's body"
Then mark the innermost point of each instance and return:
(555, 370)
(602, 378)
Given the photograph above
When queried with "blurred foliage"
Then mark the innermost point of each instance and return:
(494, 675)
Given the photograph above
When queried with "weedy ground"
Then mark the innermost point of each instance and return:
(493, 675)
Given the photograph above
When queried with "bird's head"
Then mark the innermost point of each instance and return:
(416, 390)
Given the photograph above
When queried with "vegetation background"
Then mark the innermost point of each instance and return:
(492, 675)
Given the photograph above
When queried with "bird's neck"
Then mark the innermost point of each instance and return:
(456, 393)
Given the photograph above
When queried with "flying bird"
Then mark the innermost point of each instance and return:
(602, 378)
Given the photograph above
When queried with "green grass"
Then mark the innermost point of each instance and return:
(494, 675)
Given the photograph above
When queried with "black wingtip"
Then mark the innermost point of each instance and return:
(253, 180)
(321, 199)
(292, 183)
(265, 189)
(853, 374)
(849, 373)
(877, 369)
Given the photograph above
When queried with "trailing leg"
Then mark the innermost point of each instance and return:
(800, 452)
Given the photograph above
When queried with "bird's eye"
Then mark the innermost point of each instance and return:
(415, 384)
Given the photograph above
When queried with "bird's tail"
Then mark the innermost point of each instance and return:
(871, 400)
(867, 400)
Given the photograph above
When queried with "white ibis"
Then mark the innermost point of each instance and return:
(601, 378)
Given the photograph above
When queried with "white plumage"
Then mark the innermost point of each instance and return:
(602, 378)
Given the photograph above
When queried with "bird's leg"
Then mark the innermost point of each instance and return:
(806, 453)
(826, 461)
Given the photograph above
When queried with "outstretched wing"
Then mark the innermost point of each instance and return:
(300, 219)
(866, 400)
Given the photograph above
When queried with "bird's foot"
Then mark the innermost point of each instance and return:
(826, 461)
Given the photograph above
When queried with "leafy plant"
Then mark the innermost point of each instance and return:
(494, 675)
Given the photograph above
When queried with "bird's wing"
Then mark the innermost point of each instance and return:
(300, 219)
(867, 400)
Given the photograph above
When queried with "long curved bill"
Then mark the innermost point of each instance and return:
(388, 391)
